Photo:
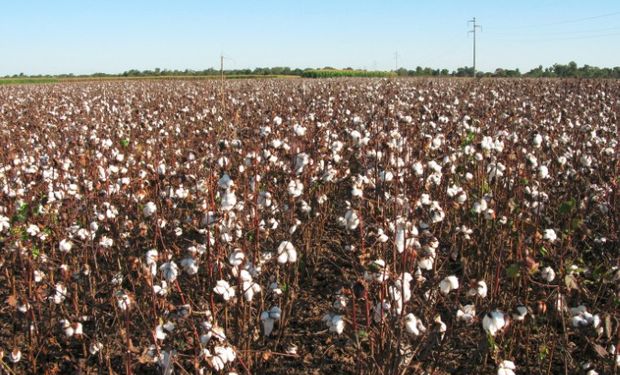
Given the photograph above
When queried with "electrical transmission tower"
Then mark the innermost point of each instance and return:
(473, 31)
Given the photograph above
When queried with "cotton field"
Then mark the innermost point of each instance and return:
(377, 226)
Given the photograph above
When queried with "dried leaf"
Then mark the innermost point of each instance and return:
(599, 350)
(608, 331)
(571, 282)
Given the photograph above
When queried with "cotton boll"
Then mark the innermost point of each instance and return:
(334, 322)
(169, 271)
(506, 368)
(493, 322)
(224, 289)
(519, 313)
(351, 220)
(268, 318)
(189, 265)
(537, 141)
(225, 182)
(550, 235)
(286, 253)
(149, 209)
(449, 283)
(413, 325)
(159, 333)
(467, 314)
(295, 188)
(229, 200)
(548, 274)
(268, 323)
(480, 289)
(65, 246)
(95, 347)
(236, 257)
(15, 355)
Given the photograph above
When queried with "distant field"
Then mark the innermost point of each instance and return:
(43, 80)
(335, 73)
(317, 73)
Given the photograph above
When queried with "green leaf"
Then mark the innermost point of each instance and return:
(543, 352)
(22, 213)
(362, 334)
(125, 142)
(544, 251)
(568, 206)
(35, 252)
(491, 342)
(513, 271)
(469, 139)
(485, 187)
(576, 223)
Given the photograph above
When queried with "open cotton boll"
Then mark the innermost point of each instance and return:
(225, 182)
(448, 284)
(268, 318)
(479, 289)
(286, 253)
(236, 257)
(149, 209)
(550, 235)
(519, 313)
(295, 188)
(537, 141)
(169, 271)
(65, 246)
(413, 325)
(334, 322)
(548, 274)
(15, 355)
(382, 237)
(467, 314)
(506, 368)
(189, 266)
(224, 289)
(95, 347)
(229, 200)
(351, 220)
(494, 322)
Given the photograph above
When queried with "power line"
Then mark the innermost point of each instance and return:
(565, 32)
(473, 30)
(534, 40)
(574, 20)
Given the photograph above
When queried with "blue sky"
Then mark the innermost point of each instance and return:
(84, 36)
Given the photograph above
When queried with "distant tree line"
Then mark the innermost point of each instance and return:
(557, 70)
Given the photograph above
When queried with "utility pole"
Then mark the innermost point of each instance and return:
(473, 31)
(396, 61)
(222, 66)
(222, 79)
